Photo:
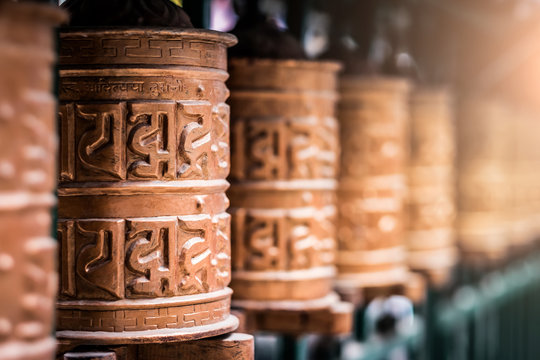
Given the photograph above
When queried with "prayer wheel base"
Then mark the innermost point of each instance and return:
(142, 321)
(326, 316)
(360, 292)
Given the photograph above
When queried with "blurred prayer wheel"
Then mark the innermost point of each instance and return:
(142, 225)
(28, 279)
(283, 181)
(431, 201)
(523, 172)
(373, 115)
(484, 189)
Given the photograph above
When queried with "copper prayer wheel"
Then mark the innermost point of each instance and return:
(431, 185)
(484, 189)
(144, 156)
(28, 277)
(283, 181)
(373, 116)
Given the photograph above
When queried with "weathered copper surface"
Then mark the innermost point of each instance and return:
(144, 158)
(27, 161)
(484, 188)
(431, 181)
(373, 115)
(285, 159)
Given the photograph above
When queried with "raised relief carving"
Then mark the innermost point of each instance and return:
(268, 149)
(101, 142)
(66, 114)
(303, 245)
(195, 254)
(151, 141)
(99, 259)
(151, 257)
(265, 243)
(195, 139)
(222, 254)
(296, 148)
(220, 147)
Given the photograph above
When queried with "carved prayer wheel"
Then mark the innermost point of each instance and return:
(144, 158)
(431, 181)
(373, 115)
(28, 279)
(283, 203)
(484, 188)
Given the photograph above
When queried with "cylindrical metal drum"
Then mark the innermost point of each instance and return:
(285, 159)
(484, 189)
(28, 144)
(431, 185)
(373, 115)
(143, 164)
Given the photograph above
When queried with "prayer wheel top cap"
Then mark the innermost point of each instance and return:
(199, 34)
(278, 74)
(144, 46)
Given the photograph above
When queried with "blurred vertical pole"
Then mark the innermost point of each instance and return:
(296, 16)
(199, 11)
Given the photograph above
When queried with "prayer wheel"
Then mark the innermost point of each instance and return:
(431, 182)
(144, 156)
(283, 180)
(373, 116)
(28, 278)
(484, 187)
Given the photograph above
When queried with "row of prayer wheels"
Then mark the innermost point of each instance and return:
(334, 184)
(499, 180)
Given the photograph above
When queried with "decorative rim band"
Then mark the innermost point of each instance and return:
(151, 336)
(191, 34)
(144, 304)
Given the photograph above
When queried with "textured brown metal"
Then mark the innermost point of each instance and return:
(373, 115)
(27, 161)
(484, 188)
(144, 157)
(285, 159)
(431, 182)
